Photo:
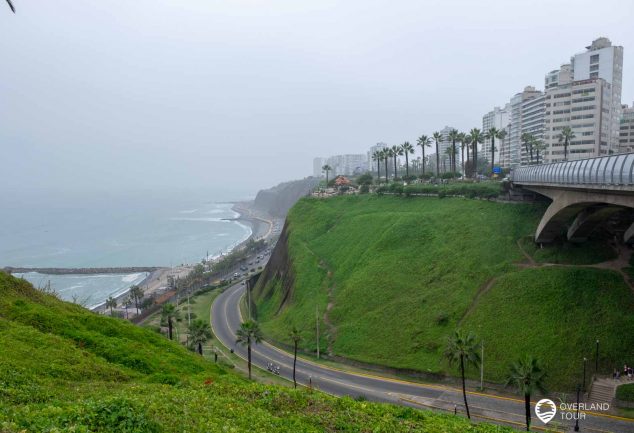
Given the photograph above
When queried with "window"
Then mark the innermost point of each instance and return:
(594, 58)
(594, 75)
(594, 68)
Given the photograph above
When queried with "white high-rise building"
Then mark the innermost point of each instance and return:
(626, 134)
(379, 146)
(318, 163)
(512, 152)
(348, 165)
(584, 106)
(443, 145)
(533, 124)
(605, 61)
(498, 118)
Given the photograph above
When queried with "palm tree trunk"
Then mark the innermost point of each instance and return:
(566, 150)
(475, 159)
(294, 364)
(423, 161)
(462, 157)
(492, 154)
(378, 170)
(464, 390)
(385, 169)
(406, 165)
(249, 358)
(169, 327)
(437, 161)
(394, 166)
(200, 348)
(527, 406)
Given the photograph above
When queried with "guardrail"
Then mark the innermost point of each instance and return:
(615, 170)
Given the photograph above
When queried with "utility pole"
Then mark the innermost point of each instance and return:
(482, 367)
(249, 297)
(317, 327)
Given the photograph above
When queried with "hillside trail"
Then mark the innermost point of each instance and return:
(617, 265)
(481, 291)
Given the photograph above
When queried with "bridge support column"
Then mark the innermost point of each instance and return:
(587, 220)
(628, 237)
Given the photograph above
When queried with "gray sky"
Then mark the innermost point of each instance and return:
(110, 94)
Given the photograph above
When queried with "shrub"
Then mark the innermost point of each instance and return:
(365, 188)
(625, 392)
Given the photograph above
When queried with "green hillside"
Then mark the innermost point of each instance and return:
(392, 277)
(64, 369)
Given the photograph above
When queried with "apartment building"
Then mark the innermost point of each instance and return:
(626, 129)
(497, 118)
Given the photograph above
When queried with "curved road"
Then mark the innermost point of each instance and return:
(226, 319)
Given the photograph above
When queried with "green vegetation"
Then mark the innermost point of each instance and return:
(65, 369)
(527, 376)
(625, 392)
(400, 275)
(569, 253)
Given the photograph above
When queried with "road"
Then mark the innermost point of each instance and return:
(226, 319)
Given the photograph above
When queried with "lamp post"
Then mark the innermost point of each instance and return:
(577, 417)
(596, 359)
(585, 360)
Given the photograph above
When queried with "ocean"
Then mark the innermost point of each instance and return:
(106, 230)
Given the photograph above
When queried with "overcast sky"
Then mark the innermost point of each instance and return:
(113, 94)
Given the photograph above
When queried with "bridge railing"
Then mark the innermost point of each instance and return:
(605, 170)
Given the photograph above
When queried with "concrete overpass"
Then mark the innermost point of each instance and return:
(584, 193)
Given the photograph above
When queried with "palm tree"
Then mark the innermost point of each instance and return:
(376, 156)
(406, 148)
(527, 376)
(11, 6)
(476, 138)
(437, 136)
(453, 136)
(385, 154)
(199, 333)
(248, 334)
(502, 136)
(538, 146)
(450, 153)
(492, 134)
(295, 337)
(423, 141)
(467, 142)
(137, 294)
(566, 137)
(396, 151)
(111, 303)
(461, 139)
(463, 348)
(528, 140)
(169, 312)
(327, 169)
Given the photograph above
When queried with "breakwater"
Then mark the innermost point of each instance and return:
(82, 271)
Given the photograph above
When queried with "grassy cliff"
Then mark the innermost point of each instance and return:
(65, 369)
(392, 277)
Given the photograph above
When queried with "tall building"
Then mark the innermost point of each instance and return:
(318, 163)
(602, 60)
(626, 130)
(584, 106)
(348, 165)
(378, 146)
(443, 147)
(512, 153)
(532, 110)
(498, 118)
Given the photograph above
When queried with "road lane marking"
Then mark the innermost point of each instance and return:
(383, 378)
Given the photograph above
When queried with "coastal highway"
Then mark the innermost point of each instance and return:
(226, 319)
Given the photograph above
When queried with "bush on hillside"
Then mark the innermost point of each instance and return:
(625, 392)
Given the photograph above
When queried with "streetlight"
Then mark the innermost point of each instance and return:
(585, 360)
(596, 359)
(577, 417)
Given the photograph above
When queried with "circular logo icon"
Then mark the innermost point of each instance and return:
(545, 410)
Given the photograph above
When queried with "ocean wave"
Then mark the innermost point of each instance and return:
(188, 211)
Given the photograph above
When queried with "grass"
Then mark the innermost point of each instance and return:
(592, 251)
(65, 369)
(402, 273)
(625, 392)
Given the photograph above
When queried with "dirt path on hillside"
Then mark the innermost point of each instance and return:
(481, 291)
(617, 265)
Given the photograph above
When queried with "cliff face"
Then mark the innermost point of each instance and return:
(278, 200)
(277, 274)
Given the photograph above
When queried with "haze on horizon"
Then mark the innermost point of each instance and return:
(120, 95)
